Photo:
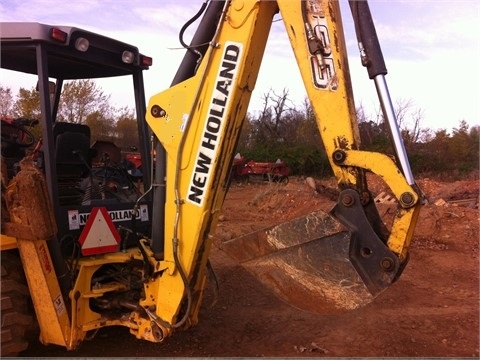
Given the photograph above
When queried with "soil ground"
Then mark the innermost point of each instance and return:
(431, 311)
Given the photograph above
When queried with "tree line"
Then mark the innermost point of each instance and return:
(289, 132)
(279, 130)
(81, 102)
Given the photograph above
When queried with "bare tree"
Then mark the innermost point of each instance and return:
(409, 119)
(273, 113)
(279, 107)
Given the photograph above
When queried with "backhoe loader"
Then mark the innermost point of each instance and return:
(96, 254)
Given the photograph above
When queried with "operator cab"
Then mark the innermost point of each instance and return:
(82, 172)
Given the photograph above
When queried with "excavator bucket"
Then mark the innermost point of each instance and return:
(320, 262)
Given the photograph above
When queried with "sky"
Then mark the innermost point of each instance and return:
(431, 49)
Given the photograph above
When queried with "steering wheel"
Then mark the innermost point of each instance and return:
(17, 134)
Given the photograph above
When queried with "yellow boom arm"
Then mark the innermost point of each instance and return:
(198, 121)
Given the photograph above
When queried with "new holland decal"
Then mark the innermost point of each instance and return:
(207, 152)
(77, 219)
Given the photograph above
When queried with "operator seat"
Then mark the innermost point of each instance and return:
(72, 159)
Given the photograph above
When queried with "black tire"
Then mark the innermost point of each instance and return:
(17, 314)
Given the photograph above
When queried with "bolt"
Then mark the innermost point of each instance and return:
(339, 156)
(387, 264)
(365, 252)
(348, 200)
(157, 111)
(365, 197)
(407, 199)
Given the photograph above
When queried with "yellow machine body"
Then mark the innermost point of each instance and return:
(197, 121)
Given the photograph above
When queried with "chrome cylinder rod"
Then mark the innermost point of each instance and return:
(390, 117)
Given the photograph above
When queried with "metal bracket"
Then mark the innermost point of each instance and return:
(375, 263)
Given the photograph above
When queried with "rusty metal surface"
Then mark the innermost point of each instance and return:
(305, 262)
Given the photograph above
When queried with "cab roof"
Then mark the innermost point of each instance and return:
(102, 58)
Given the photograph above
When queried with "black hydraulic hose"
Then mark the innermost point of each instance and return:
(190, 22)
(187, 287)
(370, 51)
(200, 41)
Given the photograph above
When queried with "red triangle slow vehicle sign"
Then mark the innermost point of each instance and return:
(99, 235)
